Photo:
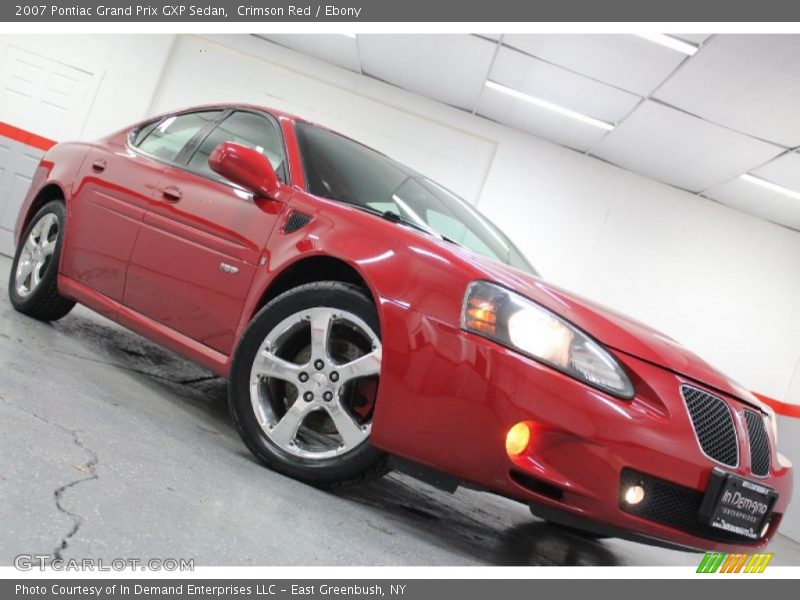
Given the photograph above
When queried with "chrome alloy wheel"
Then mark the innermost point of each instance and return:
(313, 383)
(36, 254)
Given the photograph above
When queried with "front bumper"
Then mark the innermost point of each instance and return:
(447, 399)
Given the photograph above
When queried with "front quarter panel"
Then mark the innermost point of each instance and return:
(59, 166)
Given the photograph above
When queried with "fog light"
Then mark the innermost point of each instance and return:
(765, 529)
(634, 494)
(517, 439)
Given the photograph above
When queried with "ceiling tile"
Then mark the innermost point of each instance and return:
(625, 61)
(758, 201)
(682, 150)
(560, 86)
(784, 170)
(750, 83)
(538, 121)
(448, 68)
(693, 38)
(340, 50)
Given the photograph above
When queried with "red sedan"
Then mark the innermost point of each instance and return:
(367, 318)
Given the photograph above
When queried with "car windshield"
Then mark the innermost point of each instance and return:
(341, 169)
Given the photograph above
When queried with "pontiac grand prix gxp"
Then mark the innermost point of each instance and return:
(367, 318)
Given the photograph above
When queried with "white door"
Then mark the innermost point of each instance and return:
(44, 96)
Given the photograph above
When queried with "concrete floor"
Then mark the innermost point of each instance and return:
(114, 447)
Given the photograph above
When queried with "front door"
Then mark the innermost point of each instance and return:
(203, 238)
(115, 187)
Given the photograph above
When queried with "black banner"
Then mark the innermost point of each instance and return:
(374, 589)
(399, 11)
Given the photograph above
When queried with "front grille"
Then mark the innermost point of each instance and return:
(672, 505)
(713, 425)
(759, 443)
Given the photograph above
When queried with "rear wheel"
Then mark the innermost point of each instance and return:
(32, 284)
(304, 382)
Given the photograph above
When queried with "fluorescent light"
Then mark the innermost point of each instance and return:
(350, 35)
(669, 42)
(768, 185)
(550, 106)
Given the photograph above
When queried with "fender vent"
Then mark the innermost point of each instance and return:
(295, 221)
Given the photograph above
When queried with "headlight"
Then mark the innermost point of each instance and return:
(522, 325)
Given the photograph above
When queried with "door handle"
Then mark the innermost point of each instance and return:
(99, 166)
(171, 193)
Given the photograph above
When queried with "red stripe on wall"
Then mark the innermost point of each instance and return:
(43, 143)
(781, 408)
(25, 137)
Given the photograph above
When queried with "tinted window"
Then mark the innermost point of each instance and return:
(344, 170)
(249, 129)
(167, 139)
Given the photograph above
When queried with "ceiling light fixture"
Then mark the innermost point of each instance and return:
(670, 42)
(350, 35)
(768, 185)
(550, 106)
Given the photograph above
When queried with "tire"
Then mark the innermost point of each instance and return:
(303, 385)
(36, 293)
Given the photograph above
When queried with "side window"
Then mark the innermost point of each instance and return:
(246, 128)
(166, 139)
(143, 132)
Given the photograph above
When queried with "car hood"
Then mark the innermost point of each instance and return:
(614, 329)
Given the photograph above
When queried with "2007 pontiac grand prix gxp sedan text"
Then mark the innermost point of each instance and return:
(366, 317)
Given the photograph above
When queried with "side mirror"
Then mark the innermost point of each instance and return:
(245, 167)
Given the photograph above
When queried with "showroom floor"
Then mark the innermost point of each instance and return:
(116, 448)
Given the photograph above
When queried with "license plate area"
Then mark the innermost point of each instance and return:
(737, 505)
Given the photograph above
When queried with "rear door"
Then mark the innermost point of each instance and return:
(203, 238)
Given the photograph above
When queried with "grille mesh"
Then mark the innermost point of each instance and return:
(713, 425)
(759, 443)
(673, 505)
(295, 221)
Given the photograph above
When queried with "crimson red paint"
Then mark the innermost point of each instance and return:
(145, 243)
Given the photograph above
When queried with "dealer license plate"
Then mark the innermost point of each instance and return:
(736, 504)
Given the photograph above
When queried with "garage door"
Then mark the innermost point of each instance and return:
(41, 95)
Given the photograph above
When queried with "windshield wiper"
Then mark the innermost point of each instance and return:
(392, 216)
(389, 216)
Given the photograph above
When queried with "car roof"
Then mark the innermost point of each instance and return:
(231, 105)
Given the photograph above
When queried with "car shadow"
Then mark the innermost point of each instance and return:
(482, 526)
(479, 526)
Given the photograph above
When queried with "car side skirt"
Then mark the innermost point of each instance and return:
(177, 342)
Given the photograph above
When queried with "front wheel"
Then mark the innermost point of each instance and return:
(304, 381)
(32, 284)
